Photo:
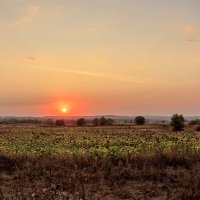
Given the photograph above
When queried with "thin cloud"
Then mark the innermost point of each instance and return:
(84, 32)
(191, 40)
(116, 77)
(27, 18)
(31, 58)
(22, 101)
(188, 28)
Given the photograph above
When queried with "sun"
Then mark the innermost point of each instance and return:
(64, 109)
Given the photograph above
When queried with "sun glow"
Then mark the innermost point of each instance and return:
(64, 110)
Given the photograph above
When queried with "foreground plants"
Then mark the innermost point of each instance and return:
(167, 176)
(98, 163)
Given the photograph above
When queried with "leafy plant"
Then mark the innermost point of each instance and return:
(197, 128)
(177, 122)
(60, 122)
(81, 122)
(139, 120)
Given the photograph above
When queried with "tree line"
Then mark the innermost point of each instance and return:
(177, 122)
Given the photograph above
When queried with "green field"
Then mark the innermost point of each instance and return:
(35, 141)
(149, 162)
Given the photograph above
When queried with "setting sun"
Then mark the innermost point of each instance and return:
(64, 110)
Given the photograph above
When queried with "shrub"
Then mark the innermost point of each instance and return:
(139, 120)
(95, 121)
(49, 122)
(110, 121)
(81, 122)
(60, 122)
(197, 128)
(102, 121)
(195, 122)
(177, 122)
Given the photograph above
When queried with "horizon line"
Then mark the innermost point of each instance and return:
(98, 115)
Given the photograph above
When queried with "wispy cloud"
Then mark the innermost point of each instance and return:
(32, 58)
(28, 16)
(189, 31)
(30, 100)
(88, 31)
(108, 76)
(188, 28)
(191, 40)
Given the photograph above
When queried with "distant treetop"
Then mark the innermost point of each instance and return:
(139, 120)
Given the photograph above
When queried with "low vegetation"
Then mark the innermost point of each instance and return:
(148, 162)
(139, 120)
(81, 122)
(60, 122)
(195, 122)
(177, 122)
(197, 128)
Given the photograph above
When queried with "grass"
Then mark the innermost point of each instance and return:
(98, 163)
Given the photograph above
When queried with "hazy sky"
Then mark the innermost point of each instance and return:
(99, 57)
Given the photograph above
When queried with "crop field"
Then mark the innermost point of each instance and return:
(148, 162)
(36, 141)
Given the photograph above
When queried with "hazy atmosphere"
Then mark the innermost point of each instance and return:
(92, 57)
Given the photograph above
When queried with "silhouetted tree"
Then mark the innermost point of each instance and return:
(110, 121)
(49, 122)
(102, 121)
(139, 120)
(195, 122)
(177, 122)
(95, 121)
(60, 122)
(81, 122)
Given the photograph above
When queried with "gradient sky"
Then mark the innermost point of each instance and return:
(125, 57)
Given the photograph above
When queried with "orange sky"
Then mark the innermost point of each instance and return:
(99, 57)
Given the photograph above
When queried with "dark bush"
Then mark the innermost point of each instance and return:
(60, 122)
(177, 122)
(197, 128)
(110, 121)
(195, 122)
(95, 121)
(102, 121)
(139, 120)
(81, 122)
(49, 122)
